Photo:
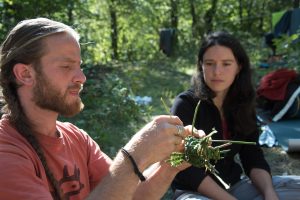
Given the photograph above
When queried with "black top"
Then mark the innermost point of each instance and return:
(208, 117)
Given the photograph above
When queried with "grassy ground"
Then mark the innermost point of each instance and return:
(159, 79)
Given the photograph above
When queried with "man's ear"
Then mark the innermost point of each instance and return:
(24, 74)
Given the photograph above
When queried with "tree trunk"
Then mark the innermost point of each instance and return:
(261, 20)
(174, 23)
(209, 15)
(250, 14)
(296, 3)
(195, 31)
(70, 11)
(241, 13)
(114, 30)
(174, 14)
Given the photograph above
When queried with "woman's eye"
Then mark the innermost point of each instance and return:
(208, 64)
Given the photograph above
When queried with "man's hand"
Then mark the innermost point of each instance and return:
(158, 139)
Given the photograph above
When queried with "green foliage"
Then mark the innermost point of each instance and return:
(110, 116)
(139, 22)
(289, 48)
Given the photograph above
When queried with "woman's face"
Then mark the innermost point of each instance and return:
(219, 68)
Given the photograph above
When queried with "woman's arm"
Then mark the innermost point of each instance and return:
(212, 190)
(263, 182)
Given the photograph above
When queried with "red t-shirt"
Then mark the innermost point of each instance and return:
(74, 158)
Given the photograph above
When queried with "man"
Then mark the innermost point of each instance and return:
(42, 158)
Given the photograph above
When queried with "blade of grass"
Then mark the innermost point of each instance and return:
(165, 106)
(235, 142)
(195, 116)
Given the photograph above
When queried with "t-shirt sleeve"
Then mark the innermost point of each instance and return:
(98, 163)
(18, 176)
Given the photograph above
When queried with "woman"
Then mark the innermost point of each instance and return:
(223, 85)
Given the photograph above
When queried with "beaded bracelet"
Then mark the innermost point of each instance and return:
(135, 167)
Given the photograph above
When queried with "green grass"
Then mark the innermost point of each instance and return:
(165, 78)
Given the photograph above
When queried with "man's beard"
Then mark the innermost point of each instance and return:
(47, 96)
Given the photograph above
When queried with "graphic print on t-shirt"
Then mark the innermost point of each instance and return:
(70, 183)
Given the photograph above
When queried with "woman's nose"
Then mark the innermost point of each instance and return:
(217, 69)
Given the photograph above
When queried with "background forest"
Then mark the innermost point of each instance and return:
(129, 30)
(122, 57)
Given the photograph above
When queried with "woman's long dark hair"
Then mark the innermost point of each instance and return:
(239, 103)
(24, 44)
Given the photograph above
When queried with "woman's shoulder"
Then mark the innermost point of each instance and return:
(188, 95)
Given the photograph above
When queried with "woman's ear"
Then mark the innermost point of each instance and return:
(23, 74)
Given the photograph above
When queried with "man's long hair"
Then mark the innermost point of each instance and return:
(24, 44)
